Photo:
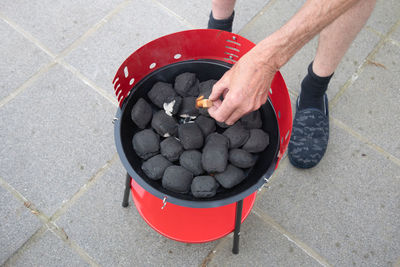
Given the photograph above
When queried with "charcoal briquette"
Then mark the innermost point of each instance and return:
(146, 143)
(206, 88)
(186, 84)
(177, 179)
(190, 136)
(188, 108)
(191, 160)
(206, 124)
(237, 135)
(230, 177)
(257, 141)
(172, 105)
(154, 167)
(171, 148)
(217, 139)
(204, 186)
(252, 120)
(214, 157)
(141, 113)
(163, 124)
(222, 124)
(160, 92)
(241, 158)
(204, 112)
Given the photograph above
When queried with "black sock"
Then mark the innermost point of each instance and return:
(221, 24)
(313, 88)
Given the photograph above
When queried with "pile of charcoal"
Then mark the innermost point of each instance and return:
(186, 149)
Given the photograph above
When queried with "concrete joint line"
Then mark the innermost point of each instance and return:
(347, 84)
(44, 69)
(27, 35)
(374, 31)
(77, 42)
(394, 42)
(29, 205)
(60, 233)
(383, 40)
(88, 82)
(304, 247)
(397, 264)
(293, 93)
(253, 19)
(365, 140)
(58, 58)
(94, 28)
(26, 84)
(181, 19)
(83, 188)
(25, 246)
(360, 69)
(48, 224)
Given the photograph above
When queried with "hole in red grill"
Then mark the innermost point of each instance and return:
(126, 73)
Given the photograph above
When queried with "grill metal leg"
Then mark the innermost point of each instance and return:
(125, 201)
(238, 222)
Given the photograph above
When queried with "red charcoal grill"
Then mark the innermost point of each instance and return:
(209, 54)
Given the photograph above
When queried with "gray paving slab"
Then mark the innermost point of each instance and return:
(100, 56)
(396, 35)
(371, 105)
(197, 13)
(361, 47)
(20, 59)
(261, 245)
(48, 250)
(57, 24)
(346, 208)
(115, 236)
(58, 134)
(385, 15)
(271, 19)
(295, 70)
(18, 224)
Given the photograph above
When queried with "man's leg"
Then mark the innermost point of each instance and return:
(311, 127)
(222, 15)
(335, 39)
(222, 9)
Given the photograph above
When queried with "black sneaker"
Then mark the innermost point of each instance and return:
(310, 136)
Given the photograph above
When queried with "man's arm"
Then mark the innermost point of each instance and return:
(245, 86)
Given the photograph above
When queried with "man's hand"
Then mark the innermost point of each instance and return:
(244, 88)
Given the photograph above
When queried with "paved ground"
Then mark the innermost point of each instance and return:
(61, 180)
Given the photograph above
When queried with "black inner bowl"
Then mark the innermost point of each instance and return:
(205, 70)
